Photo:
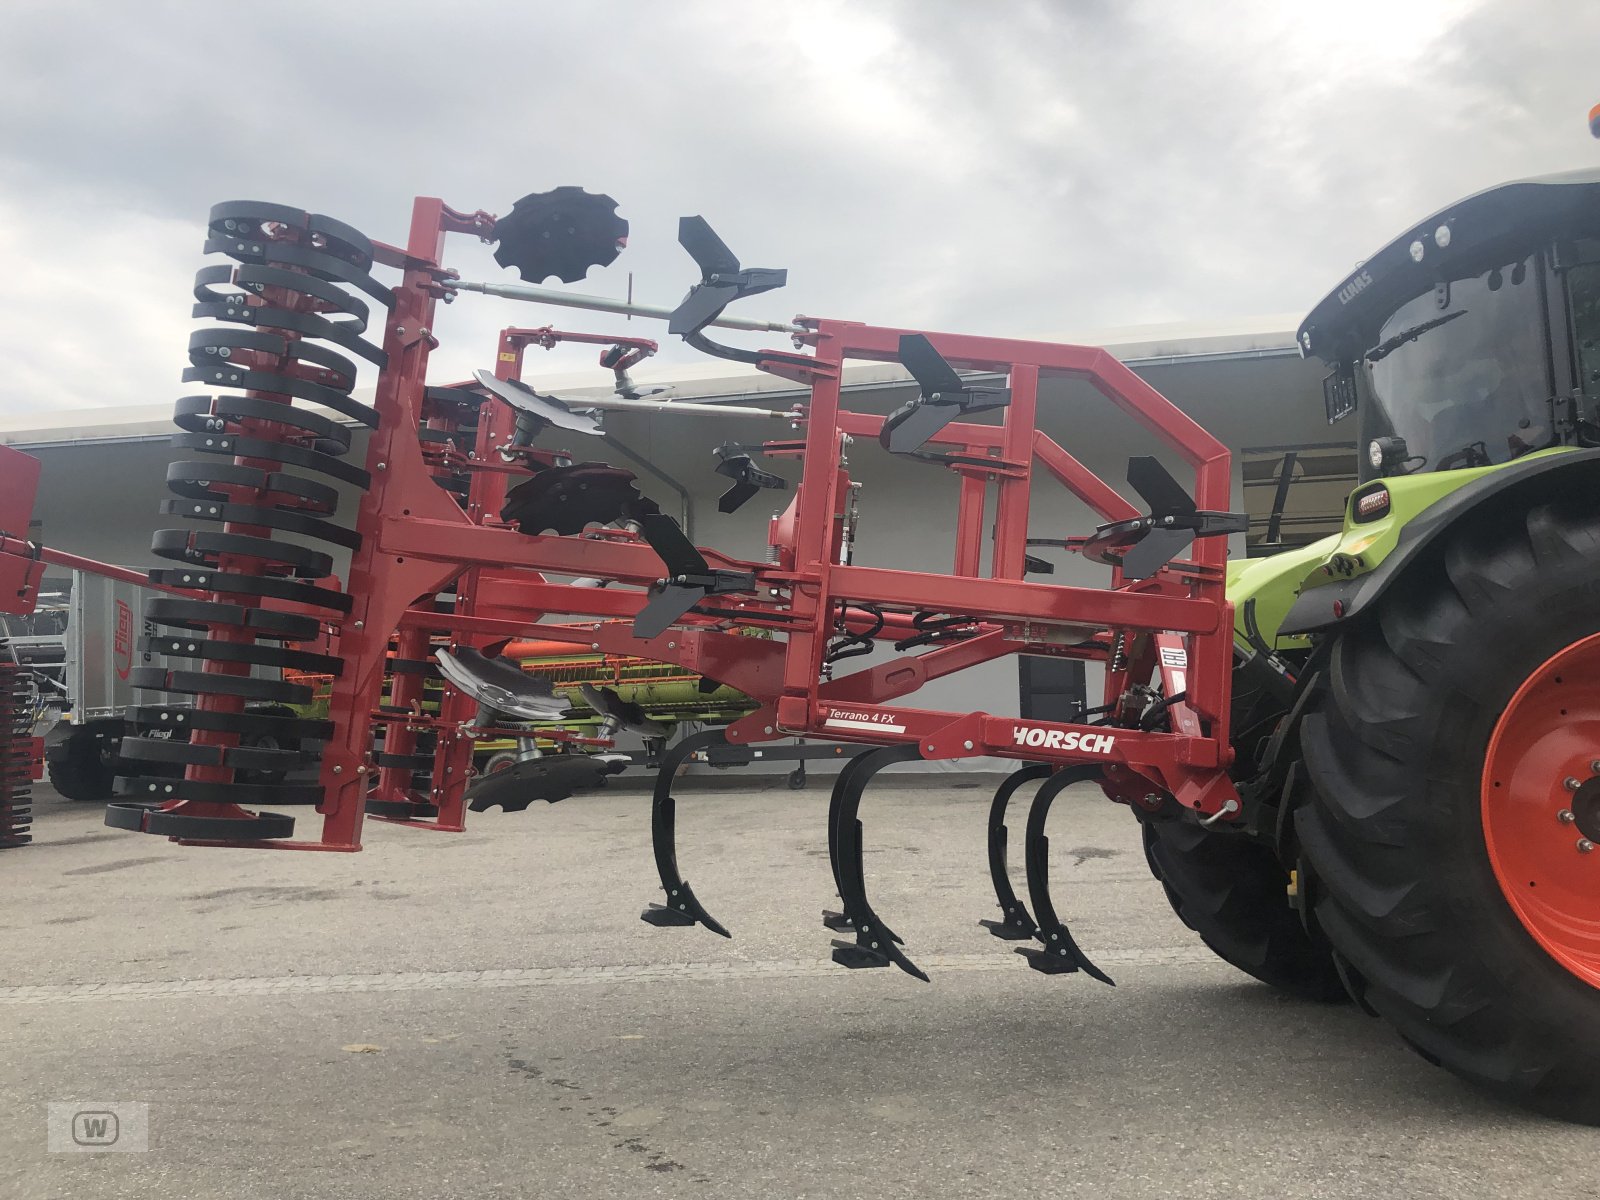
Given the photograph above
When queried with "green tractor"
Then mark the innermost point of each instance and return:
(1417, 698)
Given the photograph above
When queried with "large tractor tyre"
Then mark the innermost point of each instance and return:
(1234, 893)
(83, 765)
(1455, 758)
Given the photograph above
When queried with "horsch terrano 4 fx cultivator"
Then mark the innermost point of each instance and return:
(468, 534)
(1283, 781)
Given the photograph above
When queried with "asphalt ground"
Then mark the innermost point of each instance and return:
(483, 1014)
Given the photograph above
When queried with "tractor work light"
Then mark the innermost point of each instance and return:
(1386, 452)
(1441, 236)
(1370, 505)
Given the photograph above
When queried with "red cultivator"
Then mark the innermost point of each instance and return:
(468, 534)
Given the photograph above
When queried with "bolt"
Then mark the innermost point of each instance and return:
(966, 745)
(1565, 816)
(866, 929)
(1585, 845)
(338, 770)
(672, 645)
(1594, 765)
(594, 645)
(767, 729)
(383, 466)
(1571, 784)
(874, 945)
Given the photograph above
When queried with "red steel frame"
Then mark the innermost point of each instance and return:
(417, 540)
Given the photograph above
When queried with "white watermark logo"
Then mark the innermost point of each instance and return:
(93, 1126)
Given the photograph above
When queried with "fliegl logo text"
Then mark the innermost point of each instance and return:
(1063, 739)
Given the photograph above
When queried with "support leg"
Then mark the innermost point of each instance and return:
(1060, 953)
(1015, 925)
(681, 907)
(875, 944)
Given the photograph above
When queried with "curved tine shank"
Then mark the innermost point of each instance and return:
(1061, 953)
(1015, 924)
(840, 922)
(873, 946)
(681, 908)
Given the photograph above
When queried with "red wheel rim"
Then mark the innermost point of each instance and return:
(1541, 806)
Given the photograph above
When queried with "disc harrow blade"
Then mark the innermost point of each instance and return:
(552, 778)
(563, 232)
(567, 500)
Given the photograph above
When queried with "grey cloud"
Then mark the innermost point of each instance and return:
(1006, 168)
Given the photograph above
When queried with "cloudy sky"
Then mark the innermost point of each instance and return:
(994, 166)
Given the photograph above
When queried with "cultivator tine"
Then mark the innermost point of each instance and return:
(681, 908)
(689, 579)
(1015, 925)
(1154, 551)
(1142, 546)
(1167, 499)
(672, 546)
(666, 605)
(944, 397)
(1157, 488)
(722, 278)
(875, 944)
(840, 921)
(1060, 953)
(734, 461)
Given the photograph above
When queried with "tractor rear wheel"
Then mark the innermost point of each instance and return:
(1234, 893)
(1455, 758)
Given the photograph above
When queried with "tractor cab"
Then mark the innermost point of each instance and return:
(1472, 339)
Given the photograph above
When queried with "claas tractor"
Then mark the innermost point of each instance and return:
(1417, 698)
